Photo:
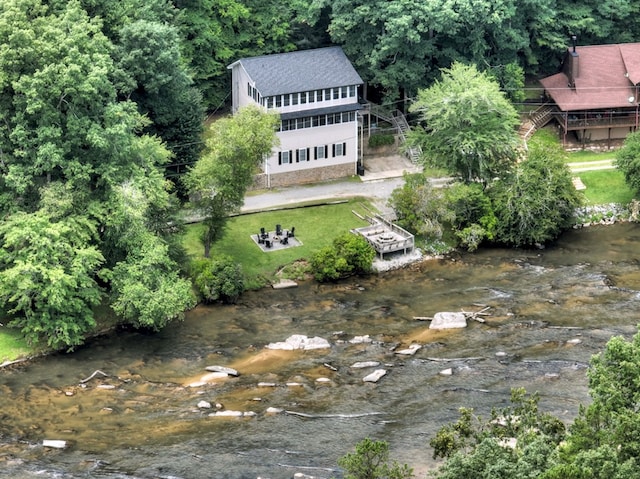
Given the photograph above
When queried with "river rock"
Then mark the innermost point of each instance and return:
(365, 364)
(360, 339)
(274, 410)
(54, 443)
(574, 341)
(284, 284)
(227, 414)
(204, 405)
(222, 369)
(213, 376)
(375, 376)
(410, 351)
(448, 320)
(323, 380)
(446, 372)
(267, 385)
(300, 341)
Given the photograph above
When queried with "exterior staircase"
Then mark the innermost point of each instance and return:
(399, 123)
(537, 119)
(413, 152)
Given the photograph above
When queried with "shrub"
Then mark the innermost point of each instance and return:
(349, 254)
(217, 279)
(381, 139)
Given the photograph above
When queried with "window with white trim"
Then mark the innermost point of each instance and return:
(339, 149)
(302, 154)
(320, 152)
(284, 157)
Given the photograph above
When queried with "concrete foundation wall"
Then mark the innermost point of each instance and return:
(603, 134)
(300, 177)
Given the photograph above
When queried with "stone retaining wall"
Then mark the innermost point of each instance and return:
(301, 177)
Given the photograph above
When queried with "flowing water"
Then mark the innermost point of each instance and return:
(550, 311)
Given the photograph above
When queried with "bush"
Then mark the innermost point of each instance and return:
(217, 279)
(371, 461)
(349, 254)
(381, 139)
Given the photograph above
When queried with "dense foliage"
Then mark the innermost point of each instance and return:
(520, 441)
(349, 254)
(84, 202)
(536, 202)
(628, 161)
(370, 460)
(468, 126)
(219, 180)
(218, 279)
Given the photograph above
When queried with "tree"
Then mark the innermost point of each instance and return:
(146, 288)
(218, 181)
(628, 160)
(47, 276)
(515, 441)
(536, 202)
(612, 418)
(371, 461)
(468, 126)
(218, 279)
(155, 78)
(420, 208)
(349, 254)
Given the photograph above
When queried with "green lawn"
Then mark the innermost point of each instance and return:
(605, 186)
(315, 227)
(12, 345)
(586, 155)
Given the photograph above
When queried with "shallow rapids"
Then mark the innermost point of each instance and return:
(550, 310)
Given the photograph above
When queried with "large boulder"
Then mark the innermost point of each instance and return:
(448, 320)
(300, 341)
(375, 376)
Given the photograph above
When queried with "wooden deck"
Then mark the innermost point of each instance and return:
(385, 237)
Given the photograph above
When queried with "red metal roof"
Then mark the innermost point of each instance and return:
(607, 75)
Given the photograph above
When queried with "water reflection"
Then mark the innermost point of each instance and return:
(551, 310)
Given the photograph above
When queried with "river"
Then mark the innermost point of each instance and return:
(550, 311)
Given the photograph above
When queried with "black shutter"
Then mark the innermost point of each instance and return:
(344, 149)
(279, 157)
(333, 151)
(315, 152)
(308, 151)
(297, 156)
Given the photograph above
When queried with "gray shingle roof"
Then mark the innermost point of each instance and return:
(303, 70)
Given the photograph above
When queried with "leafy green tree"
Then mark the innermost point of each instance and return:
(146, 287)
(147, 291)
(371, 461)
(468, 126)
(612, 417)
(536, 202)
(473, 219)
(218, 279)
(217, 183)
(628, 160)
(155, 78)
(48, 268)
(349, 254)
(516, 441)
(420, 208)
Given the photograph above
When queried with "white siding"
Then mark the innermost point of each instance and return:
(329, 135)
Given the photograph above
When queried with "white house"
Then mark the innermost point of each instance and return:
(316, 94)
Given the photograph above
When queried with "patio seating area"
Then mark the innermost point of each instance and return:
(277, 239)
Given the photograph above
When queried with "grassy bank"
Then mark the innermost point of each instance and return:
(12, 345)
(315, 227)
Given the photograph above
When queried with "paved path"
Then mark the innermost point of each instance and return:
(592, 165)
(376, 186)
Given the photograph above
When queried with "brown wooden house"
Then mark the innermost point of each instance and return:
(595, 96)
